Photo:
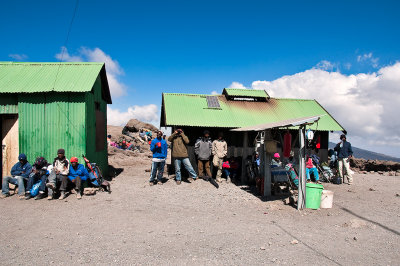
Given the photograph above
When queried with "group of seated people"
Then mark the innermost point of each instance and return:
(291, 166)
(60, 177)
(123, 144)
(146, 134)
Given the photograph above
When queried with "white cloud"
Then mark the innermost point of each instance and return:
(64, 56)
(146, 113)
(214, 93)
(366, 105)
(368, 58)
(97, 55)
(18, 57)
(237, 85)
(325, 65)
(347, 66)
(114, 70)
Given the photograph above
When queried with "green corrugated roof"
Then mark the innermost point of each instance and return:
(245, 93)
(192, 110)
(32, 77)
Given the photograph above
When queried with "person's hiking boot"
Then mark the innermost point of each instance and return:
(40, 196)
(28, 196)
(52, 186)
(178, 182)
(78, 194)
(3, 196)
(62, 196)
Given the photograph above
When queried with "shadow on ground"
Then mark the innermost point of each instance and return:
(253, 191)
(113, 172)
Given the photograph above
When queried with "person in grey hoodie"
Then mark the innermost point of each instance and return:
(203, 151)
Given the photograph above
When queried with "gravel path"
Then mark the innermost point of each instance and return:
(194, 223)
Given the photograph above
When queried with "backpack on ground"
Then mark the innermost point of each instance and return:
(35, 189)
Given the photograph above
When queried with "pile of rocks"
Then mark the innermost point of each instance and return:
(375, 166)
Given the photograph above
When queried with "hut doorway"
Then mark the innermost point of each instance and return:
(9, 142)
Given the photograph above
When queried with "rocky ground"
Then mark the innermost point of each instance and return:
(195, 223)
(363, 166)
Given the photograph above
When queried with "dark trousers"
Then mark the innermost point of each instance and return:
(57, 180)
(33, 179)
(78, 184)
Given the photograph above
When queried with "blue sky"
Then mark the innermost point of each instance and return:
(204, 46)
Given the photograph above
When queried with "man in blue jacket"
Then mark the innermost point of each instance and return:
(159, 148)
(77, 177)
(345, 152)
(19, 172)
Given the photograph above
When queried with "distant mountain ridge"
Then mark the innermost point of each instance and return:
(368, 155)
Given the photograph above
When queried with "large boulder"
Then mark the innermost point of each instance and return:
(135, 125)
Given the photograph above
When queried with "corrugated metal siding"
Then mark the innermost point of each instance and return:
(9, 109)
(41, 77)
(101, 157)
(8, 104)
(48, 122)
(191, 110)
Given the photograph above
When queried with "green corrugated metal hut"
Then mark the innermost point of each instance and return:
(52, 106)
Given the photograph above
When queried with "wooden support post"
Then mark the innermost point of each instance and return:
(267, 165)
(244, 155)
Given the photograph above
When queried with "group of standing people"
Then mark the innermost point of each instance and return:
(208, 151)
(204, 148)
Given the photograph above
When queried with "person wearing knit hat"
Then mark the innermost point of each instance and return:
(39, 173)
(58, 173)
(276, 161)
(203, 151)
(78, 177)
(19, 174)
